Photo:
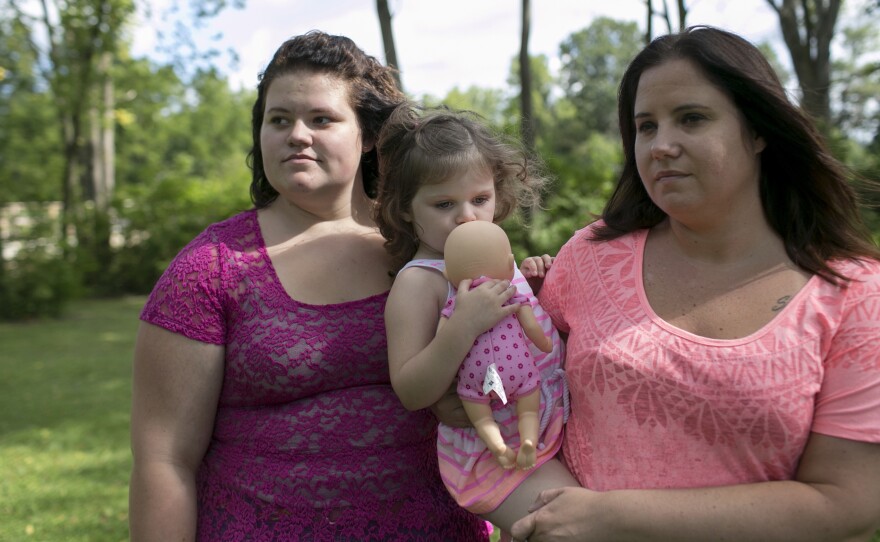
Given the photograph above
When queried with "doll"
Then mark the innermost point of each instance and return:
(500, 364)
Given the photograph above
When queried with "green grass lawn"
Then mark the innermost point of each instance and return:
(65, 392)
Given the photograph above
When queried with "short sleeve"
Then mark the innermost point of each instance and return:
(552, 294)
(186, 298)
(848, 404)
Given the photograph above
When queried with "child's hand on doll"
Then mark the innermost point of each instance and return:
(482, 307)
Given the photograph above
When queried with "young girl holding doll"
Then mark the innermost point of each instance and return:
(439, 169)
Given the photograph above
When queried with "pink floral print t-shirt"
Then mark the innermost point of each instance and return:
(653, 406)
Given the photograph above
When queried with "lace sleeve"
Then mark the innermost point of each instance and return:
(187, 299)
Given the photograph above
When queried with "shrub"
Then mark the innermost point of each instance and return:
(36, 283)
(158, 220)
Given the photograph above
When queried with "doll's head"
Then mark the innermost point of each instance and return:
(478, 249)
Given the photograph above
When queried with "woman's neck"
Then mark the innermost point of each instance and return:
(737, 243)
(283, 222)
(347, 209)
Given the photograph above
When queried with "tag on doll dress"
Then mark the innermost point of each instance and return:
(492, 382)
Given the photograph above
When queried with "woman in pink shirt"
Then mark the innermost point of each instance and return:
(723, 320)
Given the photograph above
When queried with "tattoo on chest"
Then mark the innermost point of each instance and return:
(781, 303)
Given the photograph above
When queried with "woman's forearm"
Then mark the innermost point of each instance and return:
(162, 503)
(768, 511)
(782, 511)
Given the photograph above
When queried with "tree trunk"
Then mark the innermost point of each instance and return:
(70, 128)
(682, 18)
(104, 192)
(666, 16)
(682, 15)
(526, 110)
(388, 39)
(807, 28)
(70, 84)
(109, 136)
(525, 74)
(3, 285)
(93, 180)
(103, 139)
(98, 179)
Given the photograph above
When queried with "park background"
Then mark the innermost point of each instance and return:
(124, 126)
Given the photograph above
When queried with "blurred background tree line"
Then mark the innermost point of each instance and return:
(110, 164)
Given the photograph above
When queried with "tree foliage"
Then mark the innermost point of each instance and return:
(27, 118)
(82, 105)
(856, 88)
(593, 59)
(181, 135)
(187, 170)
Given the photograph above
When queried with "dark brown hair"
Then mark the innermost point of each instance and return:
(805, 191)
(372, 90)
(426, 146)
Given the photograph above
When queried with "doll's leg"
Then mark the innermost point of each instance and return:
(480, 415)
(527, 407)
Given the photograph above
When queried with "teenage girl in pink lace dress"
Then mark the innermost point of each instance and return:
(262, 406)
(723, 320)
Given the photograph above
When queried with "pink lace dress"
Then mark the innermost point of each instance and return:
(310, 442)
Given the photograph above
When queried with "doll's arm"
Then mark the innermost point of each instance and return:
(533, 329)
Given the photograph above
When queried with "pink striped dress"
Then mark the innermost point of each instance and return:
(469, 470)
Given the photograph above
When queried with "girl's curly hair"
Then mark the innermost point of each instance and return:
(419, 146)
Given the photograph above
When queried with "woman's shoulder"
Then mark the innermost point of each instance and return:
(587, 238)
(589, 231)
(861, 266)
(580, 238)
(241, 225)
(858, 296)
(238, 232)
(863, 274)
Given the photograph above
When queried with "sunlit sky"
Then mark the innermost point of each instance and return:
(440, 45)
